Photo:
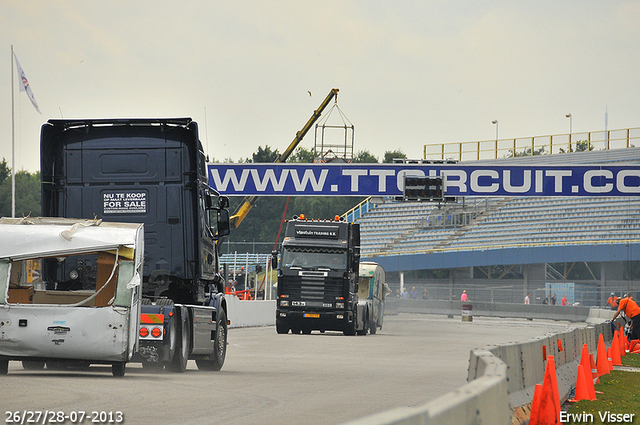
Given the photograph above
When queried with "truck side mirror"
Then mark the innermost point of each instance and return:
(274, 259)
(224, 227)
(224, 202)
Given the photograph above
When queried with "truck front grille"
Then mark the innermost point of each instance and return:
(308, 288)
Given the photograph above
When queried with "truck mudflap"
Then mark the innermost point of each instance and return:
(306, 321)
(58, 332)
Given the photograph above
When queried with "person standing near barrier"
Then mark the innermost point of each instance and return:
(613, 301)
(630, 309)
(425, 294)
(564, 299)
(527, 299)
(553, 299)
(463, 297)
(414, 294)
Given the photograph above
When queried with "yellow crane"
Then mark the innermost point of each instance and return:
(249, 201)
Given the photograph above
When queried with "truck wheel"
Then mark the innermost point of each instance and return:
(117, 369)
(32, 365)
(4, 366)
(351, 327)
(281, 327)
(216, 360)
(182, 337)
(373, 328)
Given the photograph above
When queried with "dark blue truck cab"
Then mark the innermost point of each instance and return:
(150, 171)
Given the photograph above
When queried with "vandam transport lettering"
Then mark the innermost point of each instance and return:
(388, 179)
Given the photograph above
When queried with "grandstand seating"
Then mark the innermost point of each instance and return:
(527, 221)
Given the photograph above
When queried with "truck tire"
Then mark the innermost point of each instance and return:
(118, 369)
(181, 327)
(373, 327)
(216, 360)
(4, 366)
(351, 327)
(281, 327)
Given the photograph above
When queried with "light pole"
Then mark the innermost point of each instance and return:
(570, 129)
(496, 123)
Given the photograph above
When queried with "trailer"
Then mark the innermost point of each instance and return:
(372, 293)
(47, 320)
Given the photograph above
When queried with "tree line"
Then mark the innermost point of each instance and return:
(27, 192)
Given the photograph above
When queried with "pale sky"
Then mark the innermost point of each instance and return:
(409, 72)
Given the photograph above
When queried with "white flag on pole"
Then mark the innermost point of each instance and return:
(24, 85)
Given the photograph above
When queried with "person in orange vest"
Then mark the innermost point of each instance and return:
(564, 299)
(632, 311)
(613, 301)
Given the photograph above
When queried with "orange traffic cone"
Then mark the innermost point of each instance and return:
(582, 386)
(586, 366)
(621, 340)
(602, 363)
(634, 345)
(594, 371)
(549, 408)
(615, 350)
(609, 359)
(535, 405)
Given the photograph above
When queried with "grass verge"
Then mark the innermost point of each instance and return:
(621, 395)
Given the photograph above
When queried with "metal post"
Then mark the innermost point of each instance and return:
(496, 123)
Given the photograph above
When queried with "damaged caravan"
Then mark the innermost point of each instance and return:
(69, 292)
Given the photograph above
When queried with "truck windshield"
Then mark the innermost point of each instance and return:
(308, 257)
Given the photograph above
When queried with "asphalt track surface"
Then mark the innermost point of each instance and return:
(281, 379)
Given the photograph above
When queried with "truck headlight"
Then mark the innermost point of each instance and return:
(339, 305)
(284, 303)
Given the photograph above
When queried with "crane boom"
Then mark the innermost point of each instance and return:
(249, 201)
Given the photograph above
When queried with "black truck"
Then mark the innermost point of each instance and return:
(318, 277)
(150, 171)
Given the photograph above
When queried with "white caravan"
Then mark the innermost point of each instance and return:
(372, 292)
(69, 292)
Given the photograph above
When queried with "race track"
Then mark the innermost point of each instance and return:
(282, 379)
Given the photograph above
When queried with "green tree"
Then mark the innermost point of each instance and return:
(301, 155)
(27, 195)
(265, 155)
(365, 157)
(4, 170)
(389, 156)
(525, 152)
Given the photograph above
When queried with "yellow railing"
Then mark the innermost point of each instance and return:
(356, 212)
(501, 246)
(537, 145)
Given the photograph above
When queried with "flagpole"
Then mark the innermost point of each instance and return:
(13, 140)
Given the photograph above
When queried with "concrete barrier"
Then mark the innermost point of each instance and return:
(502, 378)
(250, 313)
(454, 308)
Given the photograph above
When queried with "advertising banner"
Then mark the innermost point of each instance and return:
(388, 179)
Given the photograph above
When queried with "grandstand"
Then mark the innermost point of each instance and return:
(524, 237)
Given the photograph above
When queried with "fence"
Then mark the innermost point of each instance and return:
(584, 294)
(537, 145)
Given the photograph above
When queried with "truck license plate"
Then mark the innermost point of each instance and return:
(312, 315)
